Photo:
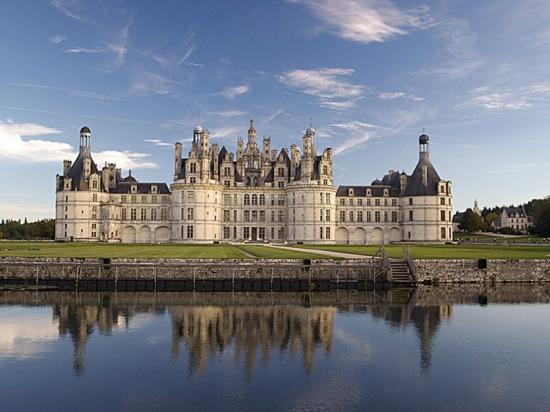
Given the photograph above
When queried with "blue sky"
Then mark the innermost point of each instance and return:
(370, 73)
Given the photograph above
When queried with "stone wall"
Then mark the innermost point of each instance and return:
(467, 271)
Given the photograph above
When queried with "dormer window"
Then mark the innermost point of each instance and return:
(133, 188)
(154, 189)
(350, 192)
(386, 193)
(369, 193)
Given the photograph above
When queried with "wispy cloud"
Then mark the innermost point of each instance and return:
(57, 39)
(510, 98)
(399, 95)
(224, 132)
(187, 54)
(327, 84)
(228, 113)
(367, 21)
(358, 132)
(68, 8)
(70, 92)
(147, 84)
(235, 91)
(158, 142)
(273, 115)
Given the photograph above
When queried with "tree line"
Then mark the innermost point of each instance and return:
(17, 230)
(537, 209)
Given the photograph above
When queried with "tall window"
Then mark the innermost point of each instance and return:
(394, 216)
(153, 214)
(327, 233)
(254, 200)
(351, 215)
(327, 200)
(410, 215)
(193, 168)
(133, 213)
(262, 200)
(377, 216)
(247, 200)
(190, 232)
(123, 214)
(163, 214)
(143, 214)
(262, 215)
(226, 232)
(247, 215)
(280, 216)
(443, 233)
(342, 216)
(190, 213)
(359, 216)
(226, 215)
(325, 169)
(281, 172)
(327, 215)
(442, 215)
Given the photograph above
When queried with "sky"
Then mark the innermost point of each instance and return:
(369, 75)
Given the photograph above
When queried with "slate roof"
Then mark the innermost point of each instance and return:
(415, 186)
(76, 173)
(361, 191)
(142, 188)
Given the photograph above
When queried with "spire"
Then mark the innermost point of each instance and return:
(424, 146)
(251, 132)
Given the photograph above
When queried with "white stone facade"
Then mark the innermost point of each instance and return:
(255, 195)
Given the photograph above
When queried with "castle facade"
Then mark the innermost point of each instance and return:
(257, 194)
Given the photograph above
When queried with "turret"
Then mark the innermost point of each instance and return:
(251, 133)
(177, 168)
(266, 148)
(204, 141)
(424, 146)
(66, 166)
(239, 149)
(85, 140)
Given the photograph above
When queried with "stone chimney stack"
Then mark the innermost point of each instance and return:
(66, 166)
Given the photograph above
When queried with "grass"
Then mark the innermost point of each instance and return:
(102, 250)
(490, 238)
(263, 252)
(446, 251)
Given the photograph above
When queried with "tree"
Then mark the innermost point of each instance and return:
(471, 221)
(541, 217)
(491, 217)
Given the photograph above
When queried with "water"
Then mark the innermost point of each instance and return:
(457, 348)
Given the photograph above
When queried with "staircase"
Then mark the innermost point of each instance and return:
(400, 273)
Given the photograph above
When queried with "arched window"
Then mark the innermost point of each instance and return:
(262, 200)
(254, 200)
(247, 200)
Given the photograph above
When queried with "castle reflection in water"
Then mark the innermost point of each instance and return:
(254, 326)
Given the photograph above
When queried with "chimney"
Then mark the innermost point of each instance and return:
(177, 170)
(66, 166)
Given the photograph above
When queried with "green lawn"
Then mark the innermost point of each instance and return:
(102, 250)
(489, 238)
(447, 251)
(264, 252)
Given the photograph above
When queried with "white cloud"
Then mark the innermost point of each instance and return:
(57, 39)
(235, 91)
(124, 159)
(355, 125)
(70, 92)
(328, 84)
(187, 54)
(16, 147)
(399, 95)
(273, 115)
(367, 21)
(510, 98)
(358, 133)
(158, 142)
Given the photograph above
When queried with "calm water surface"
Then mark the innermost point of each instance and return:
(460, 348)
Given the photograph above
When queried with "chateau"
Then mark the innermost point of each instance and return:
(255, 194)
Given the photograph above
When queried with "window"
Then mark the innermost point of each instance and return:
(394, 202)
(163, 214)
(280, 216)
(443, 233)
(262, 200)
(234, 216)
(190, 213)
(226, 232)
(325, 172)
(254, 215)
(226, 199)
(94, 185)
(321, 215)
(327, 215)
(94, 197)
(134, 199)
(154, 199)
(143, 199)
(342, 216)
(247, 215)
(94, 234)
(442, 201)
(385, 202)
(385, 216)
(359, 216)
(342, 201)
(359, 202)
(351, 201)
(226, 215)
(442, 215)
(368, 202)
(410, 201)
(254, 200)
(351, 215)
(133, 213)
(261, 233)
(281, 200)
(321, 232)
(234, 232)
(193, 180)
(410, 215)
(281, 233)
(193, 168)
(227, 171)
(376, 202)
(246, 232)
(281, 172)
(189, 232)
(327, 233)
(247, 200)
(262, 215)
(394, 216)
(143, 214)
(272, 233)
(123, 214)
(273, 216)
(153, 214)
(327, 200)
(377, 216)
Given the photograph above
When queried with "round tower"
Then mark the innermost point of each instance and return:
(85, 140)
